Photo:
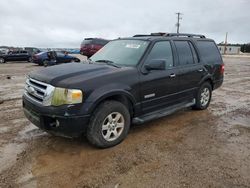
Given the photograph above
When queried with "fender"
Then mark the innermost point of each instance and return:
(207, 77)
(106, 91)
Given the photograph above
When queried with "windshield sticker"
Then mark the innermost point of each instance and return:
(133, 46)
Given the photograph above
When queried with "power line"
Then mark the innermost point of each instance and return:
(178, 21)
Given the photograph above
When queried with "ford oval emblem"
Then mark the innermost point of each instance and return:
(31, 90)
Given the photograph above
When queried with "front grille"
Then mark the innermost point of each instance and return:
(39, 92)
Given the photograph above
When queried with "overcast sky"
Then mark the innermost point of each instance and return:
(65, 23)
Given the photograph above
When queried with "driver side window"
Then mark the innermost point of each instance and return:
(162, 51)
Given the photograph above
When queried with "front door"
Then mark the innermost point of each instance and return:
(159, 87)
(13, 56)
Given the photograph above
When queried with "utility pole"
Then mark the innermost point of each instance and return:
(225, 45)
(178, 21)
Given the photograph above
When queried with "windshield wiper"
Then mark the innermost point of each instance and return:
(108, 62)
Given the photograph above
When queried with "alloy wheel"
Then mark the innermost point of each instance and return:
(113, 126)
(205, 96)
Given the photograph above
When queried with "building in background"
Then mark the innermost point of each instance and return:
(230, 49)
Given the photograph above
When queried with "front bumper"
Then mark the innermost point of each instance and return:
(55, 120)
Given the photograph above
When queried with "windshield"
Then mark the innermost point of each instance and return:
(122, 52)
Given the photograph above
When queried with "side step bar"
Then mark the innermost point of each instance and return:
(163, 112)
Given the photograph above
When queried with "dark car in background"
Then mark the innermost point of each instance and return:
(90, 46)
(43, 58)
(19, 55)
(32, 50)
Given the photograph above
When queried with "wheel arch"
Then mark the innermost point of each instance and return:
(120, 96)
(209, 80)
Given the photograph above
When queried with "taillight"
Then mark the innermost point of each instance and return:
(222, 69)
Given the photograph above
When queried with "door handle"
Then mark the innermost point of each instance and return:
(172, 75)
(200, 70)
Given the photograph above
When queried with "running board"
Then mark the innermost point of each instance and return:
(163, 112)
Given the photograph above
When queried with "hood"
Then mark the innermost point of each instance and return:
(68, 75)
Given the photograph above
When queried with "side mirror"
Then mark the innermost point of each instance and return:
(155, 64)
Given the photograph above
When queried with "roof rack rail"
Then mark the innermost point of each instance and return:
(184, 35)
(141, 35)
(171, 35)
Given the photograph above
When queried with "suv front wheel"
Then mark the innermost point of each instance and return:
(2, 60)
(203, 97)
(109, 124)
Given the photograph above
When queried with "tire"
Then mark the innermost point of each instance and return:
(2, 60)
(76, 60)
(203, 97)
(30, 59)
(45, 63)
(109, 124)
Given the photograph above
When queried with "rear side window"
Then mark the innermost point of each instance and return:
(209, 51)
(100, 42)
(162, 50)
(184, 52)
(86, 42)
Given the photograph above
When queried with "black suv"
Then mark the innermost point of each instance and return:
(19, 55)
(131, 80)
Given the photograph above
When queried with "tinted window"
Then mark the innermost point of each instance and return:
(86, 42)
(163, 51)
(184, 52)
(194, 53)
(60, 54)
(100, 42)
(209, 51)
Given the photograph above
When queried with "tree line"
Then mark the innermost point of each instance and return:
(245, 48)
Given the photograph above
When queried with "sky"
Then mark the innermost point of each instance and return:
(64, 23)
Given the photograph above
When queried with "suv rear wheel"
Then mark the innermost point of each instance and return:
(203, 96)
(109, 124)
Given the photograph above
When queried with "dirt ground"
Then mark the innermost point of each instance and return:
(208, 148)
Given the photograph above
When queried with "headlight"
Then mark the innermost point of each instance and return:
(66, 96)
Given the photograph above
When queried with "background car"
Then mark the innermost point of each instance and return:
(73, 51)
(32, 50)
(19, 55)
(42, 58)
(90, 46)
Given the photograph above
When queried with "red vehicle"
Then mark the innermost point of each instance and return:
(90, 46)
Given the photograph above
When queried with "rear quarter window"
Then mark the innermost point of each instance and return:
(86, 42)
(209, 52)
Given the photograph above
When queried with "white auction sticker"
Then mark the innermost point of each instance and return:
(133, 46)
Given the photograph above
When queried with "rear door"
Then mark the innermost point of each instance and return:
(191, 71)
(61, 57)
(159, 87)
(23, 55)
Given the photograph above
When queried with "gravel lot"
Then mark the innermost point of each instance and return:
(208, 148)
